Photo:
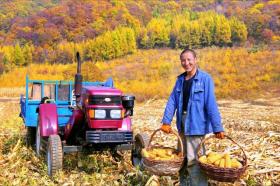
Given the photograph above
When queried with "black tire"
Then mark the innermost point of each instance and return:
(30, 136)
(141, 141)
(54, 154)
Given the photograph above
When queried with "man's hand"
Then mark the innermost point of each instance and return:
(220, 135)
(165, 128)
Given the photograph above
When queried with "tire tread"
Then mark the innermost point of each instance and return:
(56, 154)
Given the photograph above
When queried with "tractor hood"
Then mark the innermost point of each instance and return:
(100, 90)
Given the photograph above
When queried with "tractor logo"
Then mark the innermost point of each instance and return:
(107, 100)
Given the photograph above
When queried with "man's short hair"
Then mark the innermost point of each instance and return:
(188, 50)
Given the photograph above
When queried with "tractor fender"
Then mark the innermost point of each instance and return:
(48, 119)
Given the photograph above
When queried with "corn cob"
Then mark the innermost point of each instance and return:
(145, 153)
(235, 163)
(217, 163)
(227, 161)
(222, 163)
(203, 159)
(214, 157)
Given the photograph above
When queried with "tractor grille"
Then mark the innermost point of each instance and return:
(104, 100)
(109, 136)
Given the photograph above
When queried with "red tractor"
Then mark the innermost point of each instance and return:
(62, 118)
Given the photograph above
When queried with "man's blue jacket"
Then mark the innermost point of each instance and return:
(203, 115)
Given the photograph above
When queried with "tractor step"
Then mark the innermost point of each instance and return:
(72, 148)
(124, 147)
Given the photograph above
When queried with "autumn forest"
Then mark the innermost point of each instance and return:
(36, 36)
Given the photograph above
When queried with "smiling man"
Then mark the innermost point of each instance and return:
(197, 114)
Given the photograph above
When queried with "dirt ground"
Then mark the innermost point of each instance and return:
(254, 125)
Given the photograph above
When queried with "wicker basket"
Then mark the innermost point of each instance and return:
(219, 173)
(163, 167)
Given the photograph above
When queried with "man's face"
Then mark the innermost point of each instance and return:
(188, 61)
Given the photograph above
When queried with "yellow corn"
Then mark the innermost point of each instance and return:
(214, 157)
(235, 163)
(217, 163)
(145, 154)
(203, 159)
(227, 161)
(222, 163)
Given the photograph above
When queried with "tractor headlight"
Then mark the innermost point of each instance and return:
(91, 114)
(99, 114)
(115, 114)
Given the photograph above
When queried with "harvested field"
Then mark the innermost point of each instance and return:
(254, 125)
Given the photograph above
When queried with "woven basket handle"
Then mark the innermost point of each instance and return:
(172, 132)
(227, 137)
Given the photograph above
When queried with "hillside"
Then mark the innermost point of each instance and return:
(13, 10)
(51, 31)
(103, 30)
(237, 73)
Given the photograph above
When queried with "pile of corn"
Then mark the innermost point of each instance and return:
(160, 154)
(220, 160)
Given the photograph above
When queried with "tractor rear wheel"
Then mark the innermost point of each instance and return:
(54, 154)
(141, 141)
(30, 136)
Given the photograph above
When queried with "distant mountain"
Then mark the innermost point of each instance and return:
(10, 10)
(71, 20)
(48, 22)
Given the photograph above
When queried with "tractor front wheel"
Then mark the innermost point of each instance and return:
(54, 154)
(140, 141)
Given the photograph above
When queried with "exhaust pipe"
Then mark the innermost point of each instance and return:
(78, 79)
